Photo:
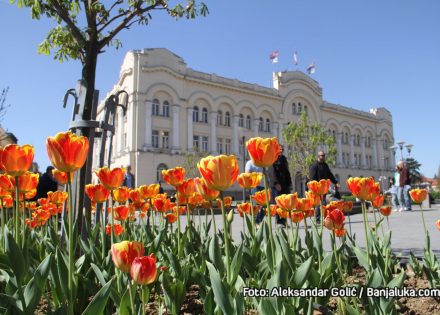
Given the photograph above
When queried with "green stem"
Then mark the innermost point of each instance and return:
(71, 250)
(423, 219)
(188, 223)
(226, 233)
(349, 223)
(213, 220)
(388, 223)
(144, 303)
(252, 216)
(113, 220)
(17, 208)
(321, 214)
(3, 224)
(200, 221)
(375, 221)
(179, 247)
(130, 285)
(103, 234)
(269, 218)
(366, 225)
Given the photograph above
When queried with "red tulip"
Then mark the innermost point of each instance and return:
(143, 270)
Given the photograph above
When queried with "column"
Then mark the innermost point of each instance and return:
(275, 130)
(235, 136)
(392, 158)
(374, 148)
(380, 154)
(255, 127)
(352, 164)
(363, 157)
(190, 129)
(213, 117)
(339, 148)
(175, 147)
(148, 124)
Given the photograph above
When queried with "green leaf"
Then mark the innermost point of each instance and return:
(125, 306)
(62, 272)
(215, 254)
(209, 304)
(302, 273)
(98, 274)
(375, 279)
(269, 255)
(99, 301)
(397, 282)
(266, 308)
(15, 257)
(36, 286)
(221, 294)
(287, 252)
(362, 257)
(236, 263)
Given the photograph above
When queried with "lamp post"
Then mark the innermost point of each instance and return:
(400, 144)
(409, 148)
(393, 149)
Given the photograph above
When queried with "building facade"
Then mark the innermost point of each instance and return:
(174, 110)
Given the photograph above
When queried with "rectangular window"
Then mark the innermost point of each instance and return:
(155, 138)
(196, 144)
(204, 144)
(227, 146)
(220, 145)
(241, 147)
(165, 140)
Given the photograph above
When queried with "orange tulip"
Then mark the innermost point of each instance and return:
(263, 151)
(149, 191)
(315, 199)
(97, 193)
(4, 192)
(202, 189)
(139, 205)
(174, 176)
(67, 151)
(385, 211)
(57, 197)
(121, 212)
(136, 196)
(30, 194)
(43, 201)
(260, 197)
(171, 217)
(418, 195)
(303, 204)
(437, 223)
(219, 172)
(121, 194)
(375, 191)
(287, 201)
(161, 203)
(185, 190)
(143, 270)
(179, 210)
(378, 201)
(249, 180)
(319, 188)
(340, 232)
(272, 209)
(7, 202)
(117, 229)
(347, 206)
(243, 208)
(31, 224)
(26, 182)
(195, 200)
(6, 182)
(361, 187)
(227, 201)
(282, 213)
(296, 217)
(124, 253)
(61, 177)
(111, 178)
(16, 160)
(334, 220)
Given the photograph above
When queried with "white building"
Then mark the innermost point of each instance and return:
(173, 109)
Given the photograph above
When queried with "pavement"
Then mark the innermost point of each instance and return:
(407, 229)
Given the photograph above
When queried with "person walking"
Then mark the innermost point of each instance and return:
(129, 180)
(282, 174)
(404, 186)
(46, 183)
(393, 191)
(320, 170)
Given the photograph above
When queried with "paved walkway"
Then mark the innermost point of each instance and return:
(407, 229)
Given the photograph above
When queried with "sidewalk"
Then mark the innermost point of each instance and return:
(407, 229)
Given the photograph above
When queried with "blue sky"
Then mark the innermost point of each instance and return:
(368, 54)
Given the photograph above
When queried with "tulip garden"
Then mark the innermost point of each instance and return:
(124, 267)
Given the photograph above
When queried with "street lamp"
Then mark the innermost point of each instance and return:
(409, 148)
(400, 144)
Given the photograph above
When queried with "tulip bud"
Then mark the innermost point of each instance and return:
(230, 216)
(124, 253)
(143, 270)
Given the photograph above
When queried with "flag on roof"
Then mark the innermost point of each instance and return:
(274, 56)
(311, 68)
(295, 58)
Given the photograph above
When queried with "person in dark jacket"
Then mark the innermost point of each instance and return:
(282, 173)
(46, 183)
(404, 185)
(320, 170)
(129, 179)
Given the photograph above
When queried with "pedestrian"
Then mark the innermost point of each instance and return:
(404, 187)
(282, 174)
(129, 179)
(320, 170)
(250, 167)
(393, 191)
(46, 183)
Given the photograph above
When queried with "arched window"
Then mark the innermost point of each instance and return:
(205, 115)
(334, 134)
(368, 142)
(267, 125)
(358, 139)
(248, 122)
(260, 124)
(240, 120)
(159, 170)
(219, 118)
(227, 119)
(293, 108)
(155, 111)
(299, 108)
(166, 109)
(346, 137)
(195, 114)
(305, 109)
